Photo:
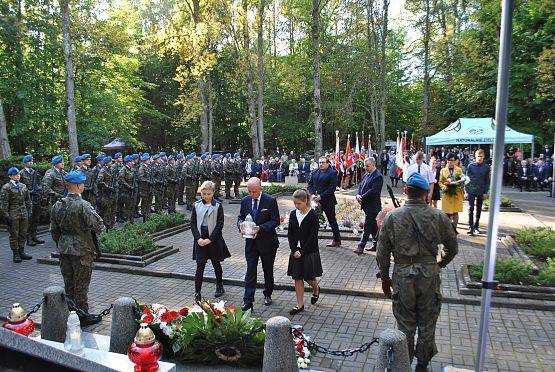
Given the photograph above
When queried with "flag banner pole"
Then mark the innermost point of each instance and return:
(503, 73)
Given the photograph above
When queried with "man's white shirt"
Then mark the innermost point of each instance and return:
(424, 170)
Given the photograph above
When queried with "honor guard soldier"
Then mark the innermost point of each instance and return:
(146, 185)
(136, 163)
(180, 162)
(107, 193)
(172, 184)
(88, 193)
(190, 182)
(217, 175)
(412, 235)
(77, 163)
(125, 180)
(228, 175)
(53, 184)
(118, 165)
(205, 168)
(15, 204)
(158, 184)
(237, 174)
(30, 177)
(74, 224)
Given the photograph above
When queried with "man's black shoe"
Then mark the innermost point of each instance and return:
(471, 231)
(31, 243)
(219, 291)
(421, 367)
(267, 300)
(16, 257)
(477, 230)
(246, 306)
(38, 241)
(89, 319)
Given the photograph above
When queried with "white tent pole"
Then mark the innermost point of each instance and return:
(502, 99)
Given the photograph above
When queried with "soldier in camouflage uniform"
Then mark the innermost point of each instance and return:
(189, 178)
(118, 165)
(88, 192)
(237, 174)
(159, 181)
(228, 174)
(107, 191)
(136, 164)
(30, 177)
(77, 163)
(53, 184)
(217, 175)
(172, 184)
(15, 204)
(74, 224)
(95, 173)
(412, 234)
(146, 185)
(181, 181)
(205, 168)
(126, 188)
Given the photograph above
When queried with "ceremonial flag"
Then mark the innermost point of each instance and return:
(337, 152)
(412, 142)
(357, 157)
(362, 148)
(370, 151)
(348, 154)
(399, 156)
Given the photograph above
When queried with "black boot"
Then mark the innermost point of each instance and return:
(219, 290)
(37, 240)
(421, 366)
(30, 242)
(89, 319)
(16, 257)
(23, 255)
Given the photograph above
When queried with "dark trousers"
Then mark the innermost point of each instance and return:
(199, 274)
(251, 255)
(370, 227)
(384, 168)
(479, 199)
(332, 220)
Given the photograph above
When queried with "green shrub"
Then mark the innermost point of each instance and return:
(274, 189)
(505, 202)
(126, 241)
(508, 271)
(539, 242)
(547, 274)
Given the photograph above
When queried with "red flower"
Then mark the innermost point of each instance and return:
(301, 353)
(184, 311)
(218, 312)
(148, 318)
(169, 316)
(282, 219)
(232, 309)
(146, 310)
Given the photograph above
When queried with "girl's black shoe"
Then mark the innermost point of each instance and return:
(296, 310)
(314, 297)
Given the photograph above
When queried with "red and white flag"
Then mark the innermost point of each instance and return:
(348, 154)
(337, 152)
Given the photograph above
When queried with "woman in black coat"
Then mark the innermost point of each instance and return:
(207, 222)
(304, 261)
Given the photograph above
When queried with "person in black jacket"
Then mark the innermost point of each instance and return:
(207, 222)
(369, 198)
(304, 261)
(321, 187)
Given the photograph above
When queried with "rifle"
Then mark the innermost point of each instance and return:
(97, 251)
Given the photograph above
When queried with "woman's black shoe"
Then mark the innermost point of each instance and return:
(219, 291)
(314, 297)
(296, 310)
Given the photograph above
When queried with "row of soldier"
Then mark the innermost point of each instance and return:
(119, 187)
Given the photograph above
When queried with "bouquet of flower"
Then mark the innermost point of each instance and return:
(301, 347)
(207, 333)
(283, 221)
(455, 183)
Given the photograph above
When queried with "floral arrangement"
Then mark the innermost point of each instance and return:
(283, 222)
(301, 347)
(349, 215)
(455, 183)
(383, 213)
(206, 333)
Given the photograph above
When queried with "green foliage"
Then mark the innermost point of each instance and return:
(505, 202)
(508, 271)
(547, 273)
(538, 242)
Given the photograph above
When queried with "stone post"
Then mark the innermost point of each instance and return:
(279, 351)
(124, 326)
(396, 341)
(54, 314)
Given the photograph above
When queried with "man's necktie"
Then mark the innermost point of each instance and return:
(418, 168)
(255, 209)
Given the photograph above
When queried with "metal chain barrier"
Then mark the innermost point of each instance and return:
(35, 308)
(344, 353)
(81, 312)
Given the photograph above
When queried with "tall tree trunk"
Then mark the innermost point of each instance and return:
(372, 61)
(210, 112)
(70, 86)
(291, 36)
(204, 132)
(383, 93)
(315, 35)
(250, 83)
(260, 51)
(274, 31)
(426, 82)
(5, 150)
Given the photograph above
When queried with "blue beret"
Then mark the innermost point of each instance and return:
(190, 156)
(117, 155)
(180, 156)
(417, 180)
(156, 156)
(100, 158)
(13, 171)
(162, 153)
(145, 156)
(203, 156)
(107, 159)
(237, 155)
(77, 158)
(228, 155)
(194, 153)
(86, 156)
(27, 158)
(170, 157)
(57, 159)
(216, 156)
(127, 159)
(76, 177)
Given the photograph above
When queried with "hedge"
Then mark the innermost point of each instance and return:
(538, 242)
(513, 271)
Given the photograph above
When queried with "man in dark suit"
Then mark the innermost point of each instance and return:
(321, 186)
(264, 211)
(384, 160)
(304, 170)
(369, 198)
